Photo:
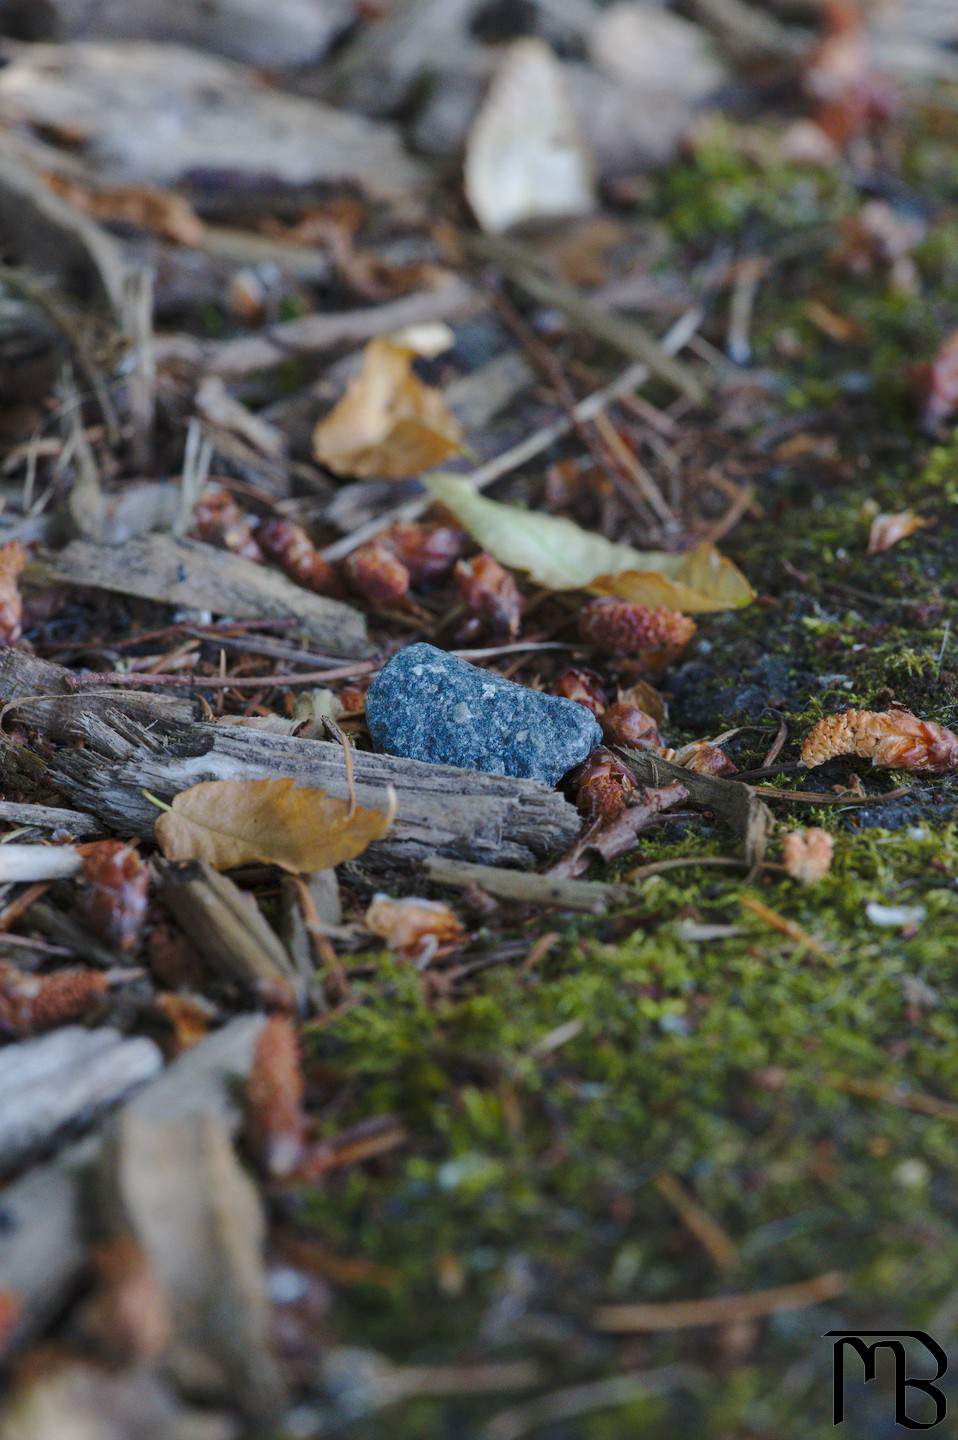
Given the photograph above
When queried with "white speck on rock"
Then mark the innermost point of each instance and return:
(461, 713)
(522, 735)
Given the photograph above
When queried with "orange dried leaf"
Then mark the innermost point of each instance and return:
(491, 596)
(582, 686)
(647, 698)
(187, 1018)
(888, 530)
(389, 423)
(275, 1121)
(808, 854)
(375, 574)
(290, 546)
(422, 930)
(624, 724)
(703, 757)
(890, 739)
(275, 822)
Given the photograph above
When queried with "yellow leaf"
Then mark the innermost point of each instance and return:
(235, 822)
(389, 424)
(560, 555)
(888, 530)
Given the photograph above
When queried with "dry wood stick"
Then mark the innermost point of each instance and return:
(628, 336)
(719, 1309)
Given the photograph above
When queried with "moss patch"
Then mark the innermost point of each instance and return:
(687, 1036)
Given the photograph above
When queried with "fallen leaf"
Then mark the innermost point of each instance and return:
(808, 854)
(560, 555)
(233, 822)
(172, 1182)
(524, 155)
(389, 424)
(422, 930)
(887, 530)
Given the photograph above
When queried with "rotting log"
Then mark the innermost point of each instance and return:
(132, 742)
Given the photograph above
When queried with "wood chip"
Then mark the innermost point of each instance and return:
(186, 573)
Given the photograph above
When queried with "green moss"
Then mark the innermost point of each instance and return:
(724, 1062)
(541, 1105)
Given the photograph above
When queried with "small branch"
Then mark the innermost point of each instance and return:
(590, 896)
(37, 862)
(719, 1309)
(627, 336)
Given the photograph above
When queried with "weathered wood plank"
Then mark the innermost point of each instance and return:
(186, 573)
(46, 1214)
(133, 743)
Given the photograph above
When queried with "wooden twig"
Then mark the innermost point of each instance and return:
(587, 409)
(719, 1309)
(528, 887)
(627, 336)
(707, 1231)
(786, 927)
(898, 1095)
(316, 333)
(138, 327)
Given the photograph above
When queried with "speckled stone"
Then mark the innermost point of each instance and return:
(427, 705)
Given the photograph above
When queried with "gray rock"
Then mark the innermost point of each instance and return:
(427, 705)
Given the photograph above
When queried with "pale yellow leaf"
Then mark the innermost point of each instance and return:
(389, 424)
(888, 530)
(525, 158)
(274, 822)
(560, 555)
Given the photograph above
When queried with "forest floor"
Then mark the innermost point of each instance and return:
(727, 1083)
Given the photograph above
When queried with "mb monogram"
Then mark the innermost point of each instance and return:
(905, 1346)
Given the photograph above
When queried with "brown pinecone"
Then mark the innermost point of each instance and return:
(114, 888)
(624, 724)
(618, 627)
(582, 686)
(427, 551)
(375, 574)
(491, 596)
(291, 548)
(218, 520)
(604, 786)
